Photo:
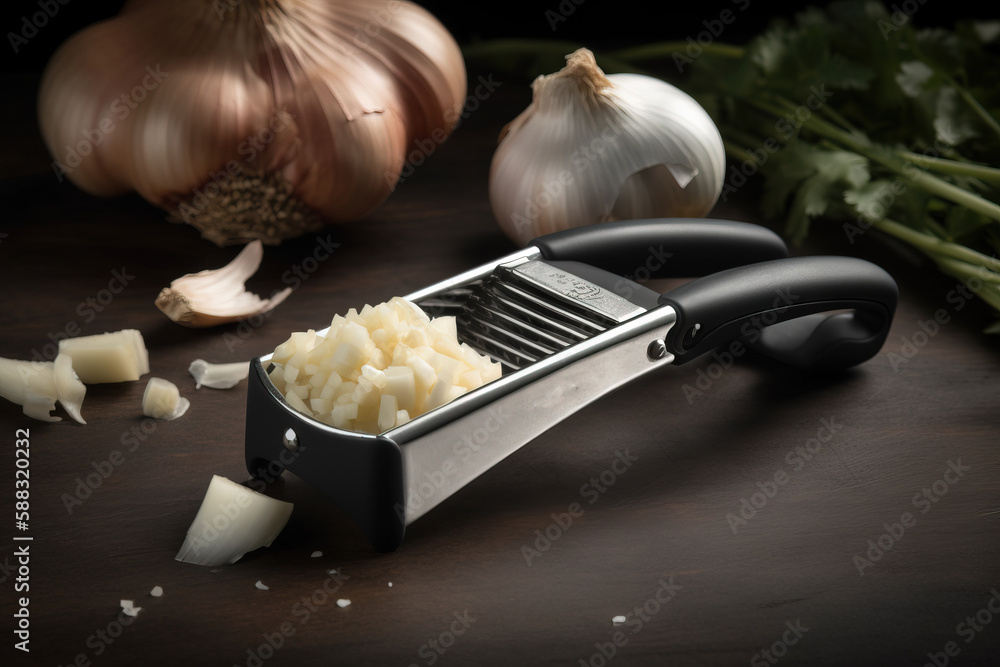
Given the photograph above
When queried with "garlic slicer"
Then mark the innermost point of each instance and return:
(569, 327)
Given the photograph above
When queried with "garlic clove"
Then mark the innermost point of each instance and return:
(218, 296)
(232, 521)
(69, 389)
(218, 376)
(118, 356)
(32, 385)
(592, 148)
(162, 400)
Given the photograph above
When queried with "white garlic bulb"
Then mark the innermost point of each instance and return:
(593, 148)
(252, 118)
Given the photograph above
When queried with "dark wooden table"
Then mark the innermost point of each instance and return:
(833, 463)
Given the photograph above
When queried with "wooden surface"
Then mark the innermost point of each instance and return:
(655, 545)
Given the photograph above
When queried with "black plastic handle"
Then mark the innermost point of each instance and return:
(664, 247)
(774, 308)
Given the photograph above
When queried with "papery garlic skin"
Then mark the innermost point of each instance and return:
(593, 148)
(253, 119)
(218, 376)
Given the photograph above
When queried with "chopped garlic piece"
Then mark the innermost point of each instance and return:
(375, 370)
(119, 356)
(218, 376)
(232, 521)
(163, 400)
(32, 385)
(262, 586)
(156, 592)
(618, 619)
(129, 608)
(343, 603)
(316, 554)
(217, 296)
(70, 390)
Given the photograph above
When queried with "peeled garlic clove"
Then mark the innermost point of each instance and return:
(69, 389)
(592, 148)
(232, 521)
(32, 385)
(162, 400)
(218, 376)
(118, 356)
(218, 296)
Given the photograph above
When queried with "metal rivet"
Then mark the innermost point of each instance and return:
(656, 350)
(290, 441)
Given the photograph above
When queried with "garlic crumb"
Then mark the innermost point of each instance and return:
(129, 608)
(156, 592)
(262, 586)
(343, 603)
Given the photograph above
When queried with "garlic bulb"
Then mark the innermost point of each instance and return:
(593, 148)
(255, 118)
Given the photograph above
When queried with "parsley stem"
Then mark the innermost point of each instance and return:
(988, 289)
(954, 167)
(862, 145)
(739, 153)
(939, 247)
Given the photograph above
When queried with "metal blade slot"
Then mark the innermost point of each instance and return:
(516, 324)
(532, 325)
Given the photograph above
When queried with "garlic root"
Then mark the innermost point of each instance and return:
(218, 296)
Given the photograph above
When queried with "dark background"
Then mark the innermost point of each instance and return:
(663, 519)
(598, 22)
